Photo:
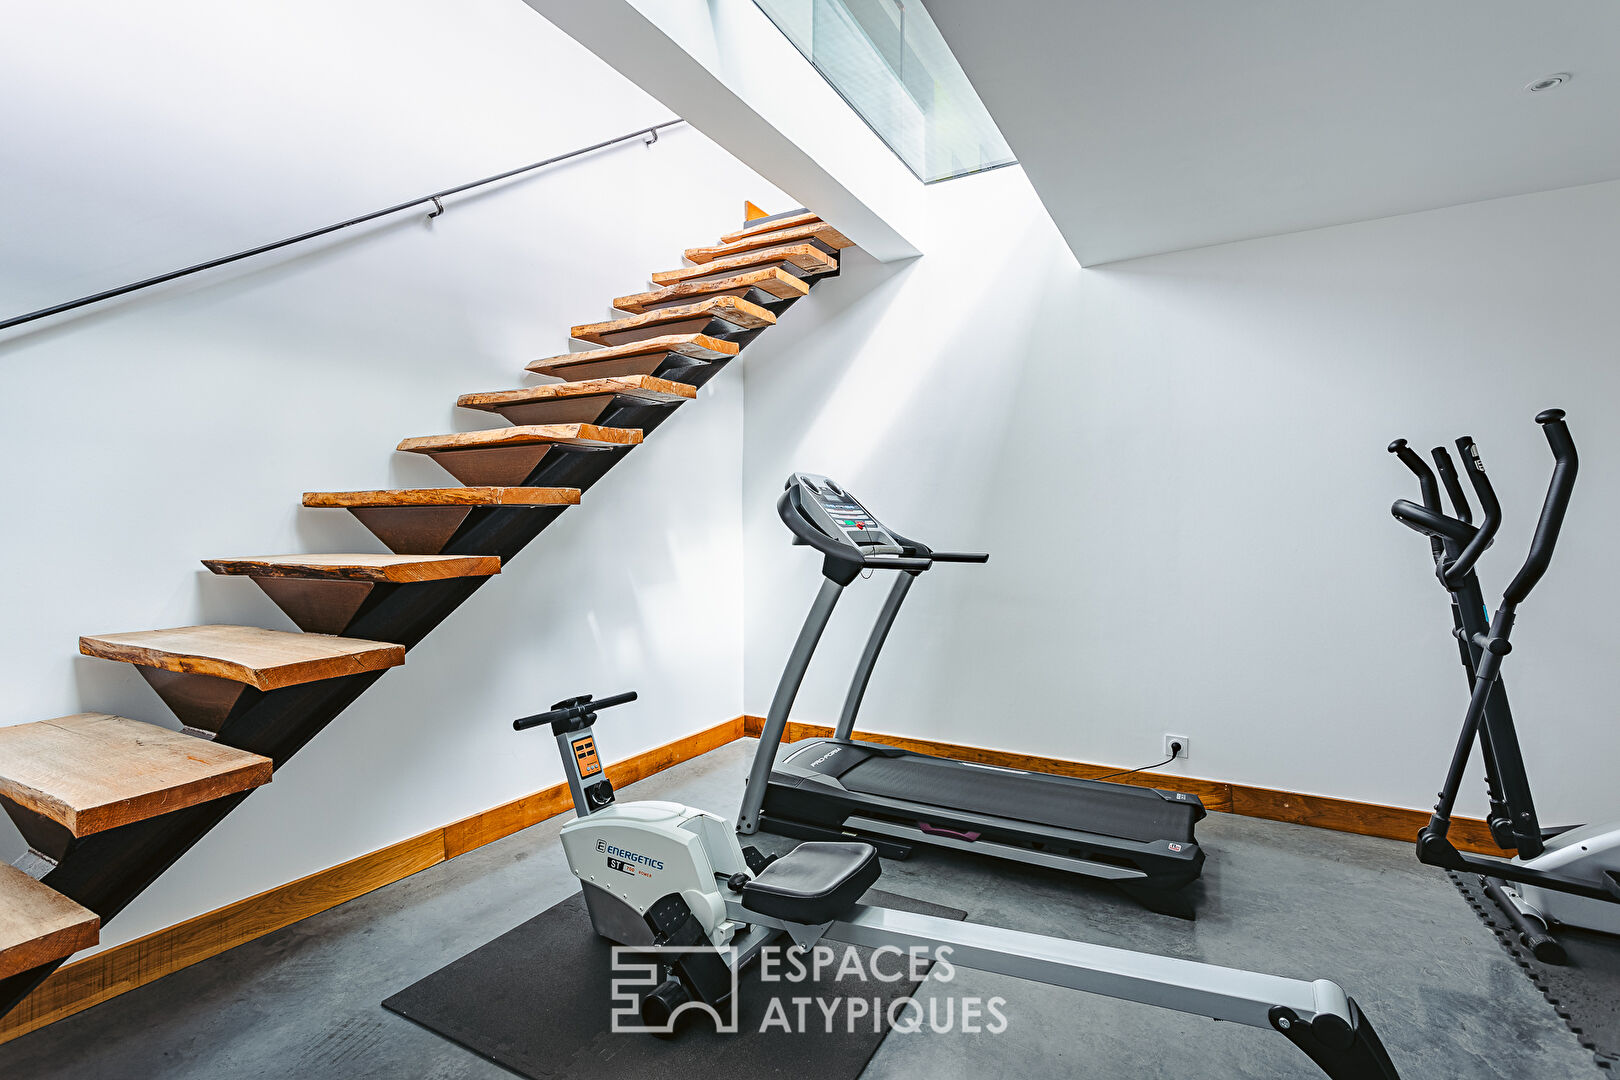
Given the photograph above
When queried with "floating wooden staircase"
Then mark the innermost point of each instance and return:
(108, 803)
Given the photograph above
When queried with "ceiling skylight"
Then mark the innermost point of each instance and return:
(892, 66)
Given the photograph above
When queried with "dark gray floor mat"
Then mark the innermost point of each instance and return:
(537, 1001)
(1585, 992)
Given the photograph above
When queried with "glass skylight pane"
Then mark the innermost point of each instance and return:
(890, 63)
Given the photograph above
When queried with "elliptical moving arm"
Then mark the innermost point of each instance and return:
(1566, 464)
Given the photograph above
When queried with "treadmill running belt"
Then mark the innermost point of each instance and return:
(1117, 810)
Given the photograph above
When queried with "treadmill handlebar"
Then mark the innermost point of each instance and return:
(844, 560)
(896, 562)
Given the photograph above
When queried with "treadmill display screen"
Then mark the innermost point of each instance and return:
(853, 519)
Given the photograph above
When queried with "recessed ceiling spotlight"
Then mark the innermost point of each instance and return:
(1548, 82)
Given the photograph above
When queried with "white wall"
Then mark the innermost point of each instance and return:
(184, 424)
(1179, 465)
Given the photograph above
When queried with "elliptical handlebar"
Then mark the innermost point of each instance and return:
(1453, 573)
(1427, 485)
(1559, 489)
(1425, 475)
(1432, 523)
(1453, 484)
(573, 709)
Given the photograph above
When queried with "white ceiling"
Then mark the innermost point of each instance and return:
(1158, 125)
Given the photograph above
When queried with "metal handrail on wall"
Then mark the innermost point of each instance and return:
(648, 134)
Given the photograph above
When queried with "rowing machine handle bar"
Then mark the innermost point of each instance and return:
(960, 556)
(1430, 523)
(1452, 482)
(1565, 465)
(572, 709)
(1452, 575)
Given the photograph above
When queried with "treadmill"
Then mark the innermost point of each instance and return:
(836, 788)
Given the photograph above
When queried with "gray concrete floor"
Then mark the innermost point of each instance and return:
(304, 1002)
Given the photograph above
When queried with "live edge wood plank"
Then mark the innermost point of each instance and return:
(91, 772)
(394, 569)
(697, 346)
(819, 231)
(778, 283)
(453, 496)
(524, 435)
(264, 659)
(38, 925)
(770, 225)
(807, 257)
(636, 386)
(732, 309)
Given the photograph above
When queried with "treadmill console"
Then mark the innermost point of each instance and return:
(839, 516)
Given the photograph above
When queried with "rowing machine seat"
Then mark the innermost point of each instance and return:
(816, 882)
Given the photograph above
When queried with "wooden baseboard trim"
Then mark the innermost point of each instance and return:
(1321, 811)
(77, 986)
(104, 975)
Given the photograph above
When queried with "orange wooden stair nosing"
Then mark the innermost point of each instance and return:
(645, 387)
(807, 258)
(778, 283)
(698, 348)
(818, 231)
(773, 223)
(577, 402)
(38, 925)
(91, 772)
(437, 498)
(732, 310)
(390, 569)
(526, 435)
(422, 521)
(263, 659)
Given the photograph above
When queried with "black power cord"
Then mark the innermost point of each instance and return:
(1175, 746)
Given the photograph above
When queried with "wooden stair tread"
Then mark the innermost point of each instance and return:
(818, 230)
(696, 346)
(452, 496)
(38, 925)
(772, 224)
(523, 435)
(396, 569)
(264, 659)
(91, 772)
(645, 387)
(734, 310)
(807, 257)
(779, 283)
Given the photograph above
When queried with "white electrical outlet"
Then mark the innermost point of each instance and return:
(1172, 752)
